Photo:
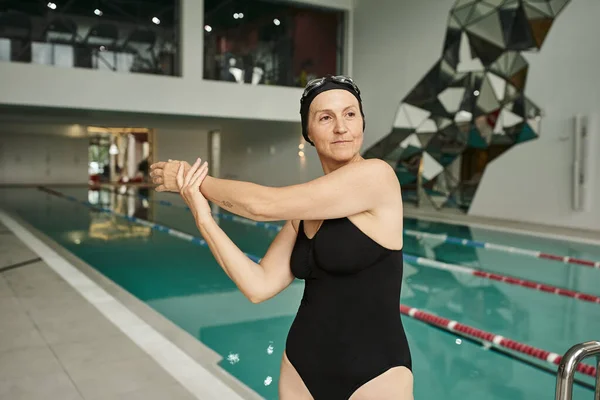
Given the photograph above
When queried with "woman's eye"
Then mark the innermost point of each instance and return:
(351, 114)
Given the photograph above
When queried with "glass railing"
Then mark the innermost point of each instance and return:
(272, 43)
(127, 37)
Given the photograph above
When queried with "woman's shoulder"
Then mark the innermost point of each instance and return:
(378, 170)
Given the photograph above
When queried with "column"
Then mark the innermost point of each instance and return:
(214, 159)
(191, 38)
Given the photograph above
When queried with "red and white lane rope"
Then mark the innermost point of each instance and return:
(499, 247)
(454, 326)
(542, 287)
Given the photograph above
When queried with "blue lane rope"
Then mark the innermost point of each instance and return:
(158, 227)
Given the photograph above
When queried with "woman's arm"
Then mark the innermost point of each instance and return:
(238, 197)
(258, 282)
(234, 196)
(352, 189)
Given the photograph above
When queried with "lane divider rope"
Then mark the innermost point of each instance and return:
(426, 262)
(492, 339)
(503, 248)
(542, 287)
(415, 313)
(152, 225)
(435, 236)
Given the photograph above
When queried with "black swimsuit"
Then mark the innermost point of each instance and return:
(348, 328)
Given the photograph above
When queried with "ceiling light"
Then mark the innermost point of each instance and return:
(98, 12)
(277, 22)
(208, 28)
(52, 6)
(156, 20)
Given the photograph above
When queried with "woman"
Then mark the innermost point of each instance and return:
(343, 236)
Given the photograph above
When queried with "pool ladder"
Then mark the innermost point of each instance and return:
(568, 365)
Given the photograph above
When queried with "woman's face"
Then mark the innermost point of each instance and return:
(335, 124)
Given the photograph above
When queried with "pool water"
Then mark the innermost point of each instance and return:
(183, 282)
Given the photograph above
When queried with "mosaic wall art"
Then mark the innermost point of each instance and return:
(473, 97)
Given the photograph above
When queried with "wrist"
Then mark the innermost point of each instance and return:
(203, 217)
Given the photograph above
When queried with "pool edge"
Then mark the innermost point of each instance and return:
(201, 354)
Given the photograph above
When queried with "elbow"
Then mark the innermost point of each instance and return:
(260, 295)
(254, 294)
(258, 211)
(262, 204)
(255, 298)
(254, 210)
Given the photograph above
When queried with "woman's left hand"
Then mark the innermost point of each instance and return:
(188, 184)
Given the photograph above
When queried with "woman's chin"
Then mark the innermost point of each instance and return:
(343, 154)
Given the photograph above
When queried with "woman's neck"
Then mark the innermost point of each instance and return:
(331, 165)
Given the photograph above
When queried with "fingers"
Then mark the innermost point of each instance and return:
(160, 164)
(180, 177)
(158, 180)
(196, 180)
(191, 172)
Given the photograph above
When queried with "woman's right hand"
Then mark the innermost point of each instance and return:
(188, 184)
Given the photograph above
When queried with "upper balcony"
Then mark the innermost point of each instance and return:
(236, 58)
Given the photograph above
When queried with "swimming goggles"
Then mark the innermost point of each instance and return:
(315, 83)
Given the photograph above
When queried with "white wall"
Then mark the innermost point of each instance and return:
(29, 158)
(181, 144)
(533, 181)
(266, 153)
(41, 85)
(263, 152)
(395, 44)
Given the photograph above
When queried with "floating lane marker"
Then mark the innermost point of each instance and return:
(420, 235)
(426, 262)
(152, 225)
(455, 326)
(503, 248)
(503, 278)
(433, 263)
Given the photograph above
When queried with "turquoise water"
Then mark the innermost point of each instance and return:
(184, 283)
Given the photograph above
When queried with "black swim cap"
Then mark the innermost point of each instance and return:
(329, 83)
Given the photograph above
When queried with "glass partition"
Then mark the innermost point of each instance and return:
(271, 43)
(127, 36)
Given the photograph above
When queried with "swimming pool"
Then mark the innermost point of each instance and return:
(181, 280)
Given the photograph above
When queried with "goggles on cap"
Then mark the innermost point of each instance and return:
(315, 83)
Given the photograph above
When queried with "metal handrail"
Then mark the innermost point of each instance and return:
(568, 365)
